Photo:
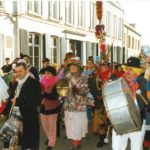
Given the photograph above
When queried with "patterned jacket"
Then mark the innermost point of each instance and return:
(76, 100)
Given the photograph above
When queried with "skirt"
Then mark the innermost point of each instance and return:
(76, 124)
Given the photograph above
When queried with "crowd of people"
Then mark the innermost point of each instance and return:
(35, 93)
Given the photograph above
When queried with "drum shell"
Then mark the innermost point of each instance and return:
(121, 106)
(10, 128)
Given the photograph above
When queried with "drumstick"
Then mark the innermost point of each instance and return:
(13, 104)
(106, 138)
(138, 92)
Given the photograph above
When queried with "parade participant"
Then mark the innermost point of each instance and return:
(117, 72)
(31, 68)
(45, 62)
(7, 67)
(63, 68)
(61, 74)
(76, 122)
(50, 105)
(132, 72)
(90, 73)
(27, 96)
(146, 82)
(90, 58)
(3, 95)
(103, 75)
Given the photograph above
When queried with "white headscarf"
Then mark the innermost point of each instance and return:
(3, 90)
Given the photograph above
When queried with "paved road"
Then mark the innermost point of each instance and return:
(88, 143)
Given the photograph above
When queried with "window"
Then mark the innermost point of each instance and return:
(81, 16)
(132, 43)
(138, 44)
(34, 49)
(92, 16)
(129, 41)
(135, 43)
(108, 22)
(53, 9)
(54, 50)
(120, 28)
(1, 3)
(115, 26)
(34, 7)
(69, 12)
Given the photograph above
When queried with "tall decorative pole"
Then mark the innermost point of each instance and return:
(100, 33)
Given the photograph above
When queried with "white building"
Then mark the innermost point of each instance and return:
(52, 28)
(113, 20)
(132, 40)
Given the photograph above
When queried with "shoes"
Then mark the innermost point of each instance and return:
(46, 142)
(100, 144)
(48, 148)
(75, 147)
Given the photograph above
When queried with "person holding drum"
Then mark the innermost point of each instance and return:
(27, 96)
(132, 74)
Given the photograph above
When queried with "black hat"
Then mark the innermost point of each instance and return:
(133, 62)
(50, 69)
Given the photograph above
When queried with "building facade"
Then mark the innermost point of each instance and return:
(132, 40)
(113, 20)
(52, 28)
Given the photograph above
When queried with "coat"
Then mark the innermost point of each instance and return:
(28, 100)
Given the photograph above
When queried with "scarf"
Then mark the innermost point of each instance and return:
(48, 83)
(20, 84)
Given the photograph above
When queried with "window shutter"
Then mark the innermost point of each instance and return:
(47, 46)
(24, 41)
(2, 49)
(63, 48)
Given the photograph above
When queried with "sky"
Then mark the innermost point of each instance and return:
(138, 12)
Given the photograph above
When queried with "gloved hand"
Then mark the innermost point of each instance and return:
(75, 90)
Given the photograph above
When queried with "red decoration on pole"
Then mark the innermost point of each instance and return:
(103, 46)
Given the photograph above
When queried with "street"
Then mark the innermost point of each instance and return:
(62, 143)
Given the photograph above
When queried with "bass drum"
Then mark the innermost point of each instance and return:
(121, 106)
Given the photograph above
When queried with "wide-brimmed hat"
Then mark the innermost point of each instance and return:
(134, 63)
(75, 61)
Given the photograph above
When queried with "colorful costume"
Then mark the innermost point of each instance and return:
(132, 76)
(75, 104)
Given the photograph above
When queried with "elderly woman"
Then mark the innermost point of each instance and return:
(75, 104)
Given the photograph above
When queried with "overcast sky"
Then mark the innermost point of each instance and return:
(138, 11)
